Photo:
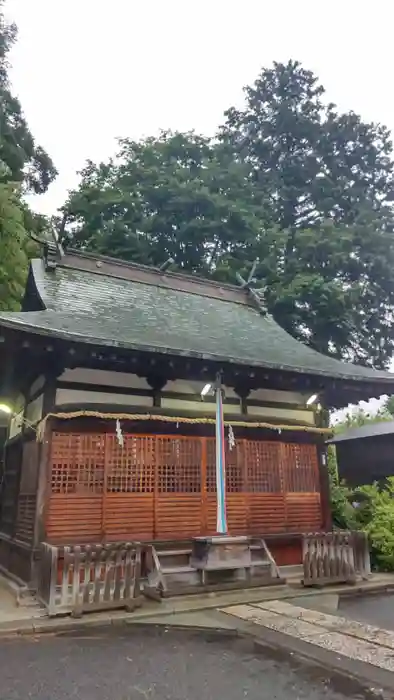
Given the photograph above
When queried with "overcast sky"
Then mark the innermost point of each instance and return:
(88, 71)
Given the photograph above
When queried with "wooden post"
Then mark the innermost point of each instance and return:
(324, 481)
(43, 476)
(322, 419)
(107, 446)
(204, 517)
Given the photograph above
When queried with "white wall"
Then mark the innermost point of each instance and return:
(180, 387)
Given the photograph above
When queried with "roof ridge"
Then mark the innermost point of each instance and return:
(153, 269)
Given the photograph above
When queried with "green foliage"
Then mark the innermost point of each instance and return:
(13, 256)
(369, 508)
(26, 161)
(389, 406)
(178, 196)
(342, 510)
(24, 167)
(359, 417)
(375, 515)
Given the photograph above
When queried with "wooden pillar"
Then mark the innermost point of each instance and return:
(243, 393)
(325, 495)
(323, 420)
(157, 384)
(48, 406)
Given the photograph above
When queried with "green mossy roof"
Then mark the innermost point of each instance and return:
(106, 310)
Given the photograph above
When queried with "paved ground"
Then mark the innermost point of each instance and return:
(374, 610)
(146, 663)
(349, 639)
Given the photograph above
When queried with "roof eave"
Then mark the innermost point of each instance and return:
(375, 379)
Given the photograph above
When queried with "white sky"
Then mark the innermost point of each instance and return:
(88, 71)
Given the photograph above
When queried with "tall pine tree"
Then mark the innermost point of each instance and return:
(330, 180)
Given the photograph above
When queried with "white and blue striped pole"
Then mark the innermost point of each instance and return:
(221, 523)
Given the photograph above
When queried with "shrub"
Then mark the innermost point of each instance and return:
(375, 515)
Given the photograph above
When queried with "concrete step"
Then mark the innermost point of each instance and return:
(178, 574)
(173, 552)
(180, 568)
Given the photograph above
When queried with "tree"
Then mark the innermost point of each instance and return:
(28, 163)
(179, 196)
(388, 406)
(317, 164)
(330, 182)
(24, 167)
(13, 256)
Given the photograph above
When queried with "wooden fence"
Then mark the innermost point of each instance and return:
(88, 578)
(335, 557)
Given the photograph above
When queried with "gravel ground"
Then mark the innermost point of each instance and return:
(371, 609)
(139, 663)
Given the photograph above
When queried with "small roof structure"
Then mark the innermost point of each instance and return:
(106, 302)
(365, 454)
(365, 431)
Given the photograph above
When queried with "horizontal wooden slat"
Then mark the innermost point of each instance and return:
(128, 516)
(178, 515)
(266, 513)
(303, 512)
(73, 517)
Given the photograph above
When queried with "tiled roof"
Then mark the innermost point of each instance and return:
(385, 427)
(136, 308)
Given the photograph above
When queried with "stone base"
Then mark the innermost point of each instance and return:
(222, 552)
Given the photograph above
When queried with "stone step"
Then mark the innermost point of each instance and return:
(173, 552)
(177, 569)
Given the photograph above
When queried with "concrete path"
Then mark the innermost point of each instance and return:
(11, 612)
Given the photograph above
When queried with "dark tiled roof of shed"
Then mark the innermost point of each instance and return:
(137, 308)
(365, 431)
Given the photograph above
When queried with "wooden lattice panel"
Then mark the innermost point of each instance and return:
(235, 467)
(130, 468)
(164, 487)
(300, 468)
(178, 465)
(77, 463)
(263, 466)
(25, 518)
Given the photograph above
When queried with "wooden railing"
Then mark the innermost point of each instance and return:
(86, 578)
(335, 557)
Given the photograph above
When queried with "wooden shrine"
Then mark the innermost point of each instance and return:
(110, 439)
